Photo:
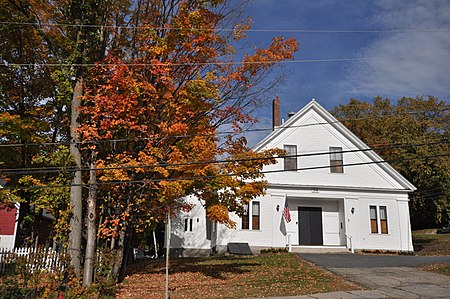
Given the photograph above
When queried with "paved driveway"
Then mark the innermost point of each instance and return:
(386, 276)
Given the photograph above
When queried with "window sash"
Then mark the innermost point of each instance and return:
(251, 218)
(255, 215)
(255, 208)
(336, 166)
(373, 226)
(245, 218)
(290, 163)
(373, 220)
(383, 220)
(381, 226)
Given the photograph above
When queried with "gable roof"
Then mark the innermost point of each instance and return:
(352, 138)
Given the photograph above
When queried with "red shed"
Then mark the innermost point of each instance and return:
(8, 226)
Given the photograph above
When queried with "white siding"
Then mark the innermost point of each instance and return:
(314, 130)
(187, 239)
(318, 139)
(7, 241)
(398, 236)
(261, 237)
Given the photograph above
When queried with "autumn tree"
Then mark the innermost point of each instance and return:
(40, 101)
(413, 135)
(29, 107)
(156, 82)
(166, 104)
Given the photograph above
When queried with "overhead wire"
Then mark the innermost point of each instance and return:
(40, 170)
(206, 135)
(215, 63)
(172, 179)
(220, 63)
(282, 30)
(224, 63)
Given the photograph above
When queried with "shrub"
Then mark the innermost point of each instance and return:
(274, 250)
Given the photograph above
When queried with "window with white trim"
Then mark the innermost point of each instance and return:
(290, 161)
(245, 218)
(188, 223)
(255, 215)
(251, 218)
(373, 220)
(336, 160)
(378, 220)
(383, 220)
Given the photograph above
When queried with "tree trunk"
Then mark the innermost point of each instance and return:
(91, 228)
(119, 256)
(126, 253)
(76, 189)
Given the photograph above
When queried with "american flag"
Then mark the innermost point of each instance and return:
(286, 213)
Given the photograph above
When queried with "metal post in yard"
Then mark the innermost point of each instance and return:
(168, 233)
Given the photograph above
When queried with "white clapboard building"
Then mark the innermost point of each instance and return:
(339, 194)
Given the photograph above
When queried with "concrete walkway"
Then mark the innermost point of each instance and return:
(385, 276)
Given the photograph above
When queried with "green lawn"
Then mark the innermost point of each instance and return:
(427, 242)
(438, 268)
(444, 269)
(231, 277)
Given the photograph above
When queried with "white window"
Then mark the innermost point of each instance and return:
(253, 214)
(336, 160)
(290, 160)
(378, 220)
(373, 220)
(245, 218)
(383, 220)
(188, 222)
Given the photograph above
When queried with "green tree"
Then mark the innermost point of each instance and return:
(420, 128)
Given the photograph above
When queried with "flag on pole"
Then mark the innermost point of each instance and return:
(286, 213)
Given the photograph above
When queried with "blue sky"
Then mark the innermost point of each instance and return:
(413, 63)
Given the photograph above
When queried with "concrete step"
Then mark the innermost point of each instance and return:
(320, 249)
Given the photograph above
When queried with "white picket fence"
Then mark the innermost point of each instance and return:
(34, 259)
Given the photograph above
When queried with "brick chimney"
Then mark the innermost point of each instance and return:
(276, 113)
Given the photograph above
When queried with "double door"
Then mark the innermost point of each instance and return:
(310, 226)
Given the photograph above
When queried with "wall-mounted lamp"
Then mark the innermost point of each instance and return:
(353, 210)
(278, 208)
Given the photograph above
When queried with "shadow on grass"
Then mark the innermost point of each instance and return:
(216, 267)
(421, 243)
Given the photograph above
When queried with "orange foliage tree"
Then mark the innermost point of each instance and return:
(165, 105)
(161, 81)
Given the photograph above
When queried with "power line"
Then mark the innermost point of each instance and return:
(220, 175)
(218, 63)
(40, 170)
(285, 30)
(208, 135)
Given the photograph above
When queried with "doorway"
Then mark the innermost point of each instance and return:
(310, 226)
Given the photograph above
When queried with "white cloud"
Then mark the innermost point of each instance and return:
(425, 72)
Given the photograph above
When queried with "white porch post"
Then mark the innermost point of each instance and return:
(289, 243)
